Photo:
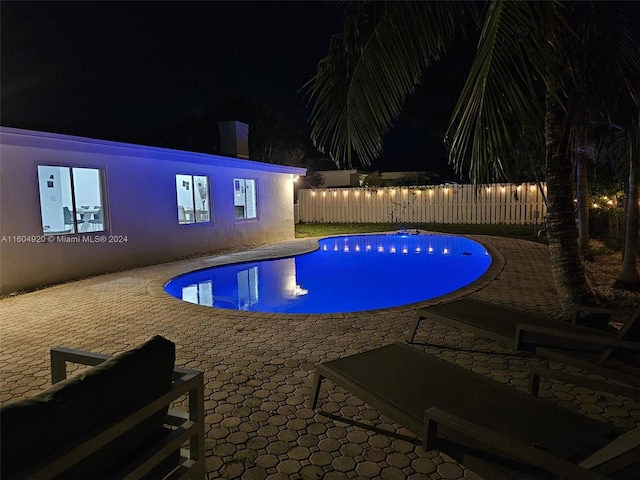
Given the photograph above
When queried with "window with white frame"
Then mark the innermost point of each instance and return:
(244, 198)
(70, 199)
(193, 199)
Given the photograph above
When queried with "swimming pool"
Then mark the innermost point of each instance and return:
(346, 274)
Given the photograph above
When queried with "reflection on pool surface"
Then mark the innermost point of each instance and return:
(346, 274)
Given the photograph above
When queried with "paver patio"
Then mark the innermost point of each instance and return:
(258, 366)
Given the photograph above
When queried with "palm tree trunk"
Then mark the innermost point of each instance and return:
(582, 191)
(629, 279)
(568, 272)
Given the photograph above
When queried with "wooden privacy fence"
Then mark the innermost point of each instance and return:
(521, 204)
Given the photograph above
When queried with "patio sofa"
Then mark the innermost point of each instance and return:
(113, 420)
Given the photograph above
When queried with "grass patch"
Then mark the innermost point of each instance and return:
(526, 232)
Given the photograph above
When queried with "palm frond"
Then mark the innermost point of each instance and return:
(360, 87)
(628, 48)
(600, 60)
(499, 109)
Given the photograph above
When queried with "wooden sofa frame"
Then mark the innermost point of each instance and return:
(188, 427)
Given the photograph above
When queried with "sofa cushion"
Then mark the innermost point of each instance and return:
(49, 422)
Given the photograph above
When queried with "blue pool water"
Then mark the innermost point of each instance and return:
(346, 274)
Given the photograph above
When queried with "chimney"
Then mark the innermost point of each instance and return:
(234, 139)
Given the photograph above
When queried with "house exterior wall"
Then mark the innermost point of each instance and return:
(338, 178)
(140, 208)
(354, 178)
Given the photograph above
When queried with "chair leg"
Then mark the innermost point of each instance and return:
(315, 391)
(414, 326)
(430, 434)
(534, 383)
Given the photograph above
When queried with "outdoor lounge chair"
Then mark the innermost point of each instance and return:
(493, 429)
(578, 345)
(488, 320)
(594, 348)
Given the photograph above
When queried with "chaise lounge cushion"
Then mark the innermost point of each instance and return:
(50, 422)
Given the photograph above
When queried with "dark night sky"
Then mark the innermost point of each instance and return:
(126, 71)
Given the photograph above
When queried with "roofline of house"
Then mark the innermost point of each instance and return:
(34, 138)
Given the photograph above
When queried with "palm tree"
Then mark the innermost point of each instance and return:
(629, 278)
(581, 159)
(519, 92)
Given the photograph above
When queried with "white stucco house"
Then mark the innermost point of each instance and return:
(71, 207)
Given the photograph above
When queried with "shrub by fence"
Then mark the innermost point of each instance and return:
(521, 204)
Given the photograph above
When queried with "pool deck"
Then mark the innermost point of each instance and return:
(259, 366)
